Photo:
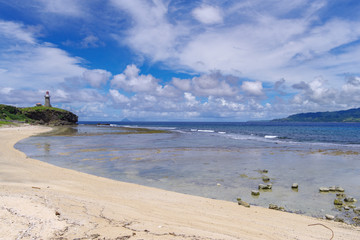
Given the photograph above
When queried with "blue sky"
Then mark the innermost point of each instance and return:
(175, 60)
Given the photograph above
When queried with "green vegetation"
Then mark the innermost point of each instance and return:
(37, 115)
(12, 113)
(3, 123)
(351, 115)
(40, 109)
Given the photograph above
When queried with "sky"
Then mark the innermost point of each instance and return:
(173, 60)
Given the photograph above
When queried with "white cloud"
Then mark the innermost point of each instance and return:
(208, 14)
(96, 77)
(130, 80)
(265, 41)
(151, 34)
(15, 31)
(118, 97)
(190, 99)
(252, 88)
(28, 63)
(90, 41)
(212, 85)
(63, 7)
(182, 84)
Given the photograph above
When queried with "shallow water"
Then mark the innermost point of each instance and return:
(224, 165)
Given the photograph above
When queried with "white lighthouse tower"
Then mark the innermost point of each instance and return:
(47, 99)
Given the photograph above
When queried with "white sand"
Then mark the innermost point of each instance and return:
(41, 201)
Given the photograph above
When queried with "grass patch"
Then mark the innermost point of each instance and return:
(40, 109)
(5, 123)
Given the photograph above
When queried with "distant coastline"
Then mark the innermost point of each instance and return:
(350, 115)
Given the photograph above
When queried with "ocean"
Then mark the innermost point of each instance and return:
(218, 160)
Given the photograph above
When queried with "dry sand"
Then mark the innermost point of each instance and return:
(41, 201)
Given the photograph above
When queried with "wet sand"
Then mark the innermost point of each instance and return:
(39, 200)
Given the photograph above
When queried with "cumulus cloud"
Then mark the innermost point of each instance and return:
(316, 91)
(131, 80)
(208, 14)
(212, 85)
(96, 77)
(252, 88)
(262, 42)
(117, 97)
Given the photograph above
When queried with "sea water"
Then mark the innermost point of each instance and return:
(218, 160)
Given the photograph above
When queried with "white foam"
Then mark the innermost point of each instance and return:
(206, 131)
(270, 136)
(222, 132)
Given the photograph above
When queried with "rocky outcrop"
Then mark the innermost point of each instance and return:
(51, 116)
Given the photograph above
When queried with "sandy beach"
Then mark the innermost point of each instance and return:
(42, 201)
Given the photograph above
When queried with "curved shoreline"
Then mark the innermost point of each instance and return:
(45, 201)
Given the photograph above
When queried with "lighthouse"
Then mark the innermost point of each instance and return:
(47, 99)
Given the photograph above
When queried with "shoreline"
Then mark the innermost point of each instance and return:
(44, 201)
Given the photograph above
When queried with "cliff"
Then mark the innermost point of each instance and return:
(351, 115)
(38, 115)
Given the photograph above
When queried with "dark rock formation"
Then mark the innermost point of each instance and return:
(51, 116)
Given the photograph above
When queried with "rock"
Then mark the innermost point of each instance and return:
(265, 171)
(324, 189)
(350, 199)
(356, 211)
(356, 219)
(338, 202)
(295, 185)
(265, 178)
(243, 203)
(332, 189)
(265, 187)
(255, 192)
(329, 217)
(346, 208)
(338, 219)
(51, 116)
(341, 195)
(339, 189)
(276, 207)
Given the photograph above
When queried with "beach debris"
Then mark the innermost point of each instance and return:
(295, 186)
(276, 207)
(265, 178)
(324, 189)
(265, 187)
(338, 202)
(320, 224)
(243, 203)
(329, 217)
(350, 199)
(255, 192)
(35, 187)
(57, 213)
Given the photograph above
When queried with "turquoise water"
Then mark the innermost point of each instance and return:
(218, 160)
